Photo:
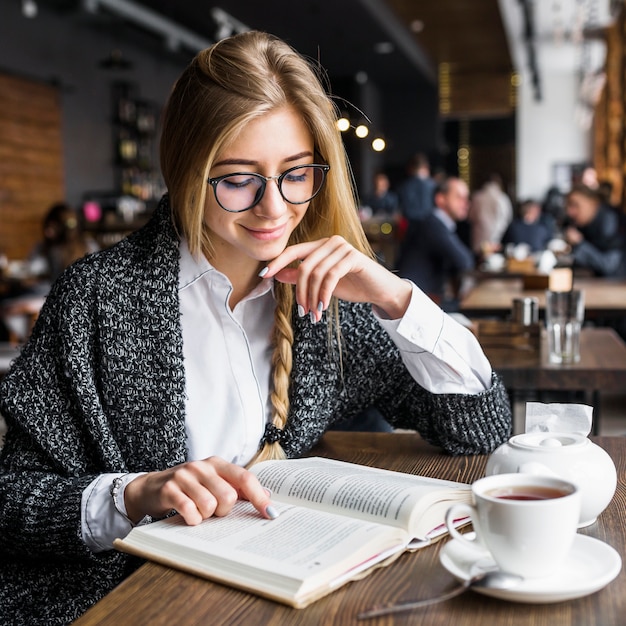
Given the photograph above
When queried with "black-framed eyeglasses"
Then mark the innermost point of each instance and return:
(241, 191)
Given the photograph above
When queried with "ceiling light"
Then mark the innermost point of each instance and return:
(29, 8)
(343, 123)
(378, 144)
(361, 131)
(383, 47)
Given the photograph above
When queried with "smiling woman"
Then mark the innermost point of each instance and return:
(250, 221)
(226, 331)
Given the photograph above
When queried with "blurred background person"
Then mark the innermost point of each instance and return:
(589, 177)
(382, 220)
(605, 189)
(382, 201)
(415, 193)
(490, 214)
(63, 241)
(595, 233)
(432, 254)
(553, 209)
(528, 228)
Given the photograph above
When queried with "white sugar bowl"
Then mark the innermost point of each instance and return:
(569, 456)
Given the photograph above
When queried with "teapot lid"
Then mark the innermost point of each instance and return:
(548, 441)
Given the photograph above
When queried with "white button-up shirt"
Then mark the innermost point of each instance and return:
(227, 356)
(227, 362)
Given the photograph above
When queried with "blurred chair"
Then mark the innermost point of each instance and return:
(19, 316)
(8, 352)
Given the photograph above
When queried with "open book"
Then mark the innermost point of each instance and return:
(337, 521)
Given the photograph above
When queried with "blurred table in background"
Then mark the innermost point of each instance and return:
(11, 286)
(604, 297)
(527, 371)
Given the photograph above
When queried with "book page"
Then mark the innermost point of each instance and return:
(393, 498)
(292, 556)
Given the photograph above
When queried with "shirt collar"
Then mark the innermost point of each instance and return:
(193, 268)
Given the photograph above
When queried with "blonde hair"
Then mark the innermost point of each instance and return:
(239, 79)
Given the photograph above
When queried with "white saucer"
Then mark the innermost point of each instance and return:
(590, 565)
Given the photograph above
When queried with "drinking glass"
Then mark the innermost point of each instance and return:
(565, 312)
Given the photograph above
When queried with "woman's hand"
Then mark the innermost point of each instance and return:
(196, 490)
(333, 267)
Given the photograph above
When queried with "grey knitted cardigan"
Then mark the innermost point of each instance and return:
(100, 387)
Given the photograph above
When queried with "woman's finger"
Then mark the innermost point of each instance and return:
(312, 272)
(297, 252)
(196, 490)
(336, 266)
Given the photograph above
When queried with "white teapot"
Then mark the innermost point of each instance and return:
(570, 456)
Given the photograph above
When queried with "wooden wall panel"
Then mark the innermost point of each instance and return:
(609, 137)
(31, 161)
(478, 95)
(465, 40)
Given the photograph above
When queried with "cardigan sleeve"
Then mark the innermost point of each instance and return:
(48, 458)
(98, 388)
(336, 375)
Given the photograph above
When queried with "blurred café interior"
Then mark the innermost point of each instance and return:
(531, 90)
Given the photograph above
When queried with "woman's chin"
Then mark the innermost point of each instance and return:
(268, 252)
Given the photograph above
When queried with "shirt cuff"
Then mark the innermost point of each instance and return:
(441, 355)
(102, 523)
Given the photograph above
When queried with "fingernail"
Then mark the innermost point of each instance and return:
(301, 311)
(320, 306)
(268, 492)
(312, 317)
(271, 512)
(264, 271)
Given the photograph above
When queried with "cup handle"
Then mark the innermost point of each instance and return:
(459, 511)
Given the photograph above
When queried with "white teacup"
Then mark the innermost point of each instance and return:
(527, 523)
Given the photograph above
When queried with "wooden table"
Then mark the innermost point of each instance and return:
(602, 367)
(494, 297)
(158, 595)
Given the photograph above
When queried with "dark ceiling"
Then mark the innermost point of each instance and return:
(346, 36)
(399, 46)
(341, 34)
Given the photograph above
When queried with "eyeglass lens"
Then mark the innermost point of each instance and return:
(297, 185)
